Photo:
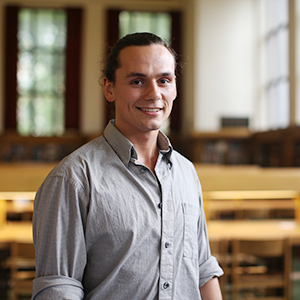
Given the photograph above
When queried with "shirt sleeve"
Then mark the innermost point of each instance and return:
(59, 240)
(209, 269)
(57, 287)
(208, 265)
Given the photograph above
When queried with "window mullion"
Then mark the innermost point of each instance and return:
(292, 62)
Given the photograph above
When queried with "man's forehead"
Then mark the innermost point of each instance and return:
(155, 55)
(137, 48)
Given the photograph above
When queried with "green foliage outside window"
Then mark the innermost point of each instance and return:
(41, 72)
(158, 23)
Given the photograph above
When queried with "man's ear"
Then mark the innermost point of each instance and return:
(175, 96)
(108, 90)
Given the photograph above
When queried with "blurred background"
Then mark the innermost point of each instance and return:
(239, 80)
(237, 116)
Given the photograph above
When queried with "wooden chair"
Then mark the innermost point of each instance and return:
(261, 279)
(293, 251)
(22, 266)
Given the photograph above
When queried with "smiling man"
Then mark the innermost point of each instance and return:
(122, 217)
(143, 91)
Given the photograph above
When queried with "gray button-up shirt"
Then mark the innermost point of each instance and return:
(106, 227)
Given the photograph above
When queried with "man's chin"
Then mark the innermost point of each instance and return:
(154, 127)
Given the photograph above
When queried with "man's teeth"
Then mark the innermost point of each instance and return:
(150, 109)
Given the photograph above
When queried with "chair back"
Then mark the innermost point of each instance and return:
(265, 248)
(22, 265)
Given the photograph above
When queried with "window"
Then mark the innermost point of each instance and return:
(42, 70)
(158, 23)
(277, 58)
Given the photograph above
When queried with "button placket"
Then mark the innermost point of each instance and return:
(167, 259)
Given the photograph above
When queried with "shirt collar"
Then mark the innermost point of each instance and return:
(125, 149)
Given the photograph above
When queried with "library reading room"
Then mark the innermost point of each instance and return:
(233, 138)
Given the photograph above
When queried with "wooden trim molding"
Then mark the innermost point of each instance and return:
(73, 68)
(10, 67)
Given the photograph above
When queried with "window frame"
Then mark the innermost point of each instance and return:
(291, 76)
(72, 67)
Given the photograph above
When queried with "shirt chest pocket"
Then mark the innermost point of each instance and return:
(190, 230)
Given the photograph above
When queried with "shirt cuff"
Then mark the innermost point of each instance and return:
(57, 287)
(209, 269)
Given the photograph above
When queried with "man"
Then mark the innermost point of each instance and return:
(122, 217)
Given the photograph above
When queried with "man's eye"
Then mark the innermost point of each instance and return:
(164, 81)
(137, 82)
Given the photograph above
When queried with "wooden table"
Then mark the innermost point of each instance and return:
(216, 202)
(232, 178)
(15, 177)
(17, 195)
(256, 229)
(15, 231)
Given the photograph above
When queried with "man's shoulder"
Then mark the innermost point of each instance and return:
(82, 158)
(182, 160)
(183, 165)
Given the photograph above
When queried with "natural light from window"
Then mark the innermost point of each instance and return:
(41, 72)
(277, 42)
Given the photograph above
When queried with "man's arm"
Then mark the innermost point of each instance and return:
(211, 290)
(59, 241)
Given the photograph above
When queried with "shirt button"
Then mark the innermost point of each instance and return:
(167, 245)
(160, 205)
(166, 285)
(169, 165)
(143, 170)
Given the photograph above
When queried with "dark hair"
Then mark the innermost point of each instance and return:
(134, 39)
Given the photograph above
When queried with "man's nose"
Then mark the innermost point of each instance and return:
(152, 92)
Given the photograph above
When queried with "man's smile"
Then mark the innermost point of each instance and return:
(149, 109)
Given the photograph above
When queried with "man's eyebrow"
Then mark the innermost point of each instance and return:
(137, 74)
(167, 74)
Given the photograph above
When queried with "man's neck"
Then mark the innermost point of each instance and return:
(146, 148)
(145, 145)
(149, 158)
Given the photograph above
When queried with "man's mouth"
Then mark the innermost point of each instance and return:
(150, 109)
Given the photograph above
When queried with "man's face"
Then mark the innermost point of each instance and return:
(144, 89)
